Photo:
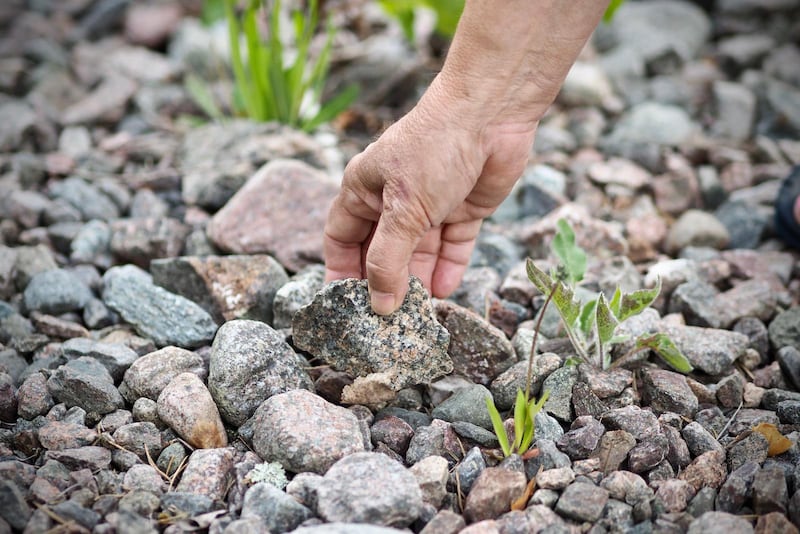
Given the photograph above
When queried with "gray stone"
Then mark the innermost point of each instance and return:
(753, 447)
(467, 404)
(651, 122)
(347, 528)
(613, 449)
(151, 373)
(85, 382)
(665, 391)
(164, 317)
(299, 291)
(504, 387)
(702, 502)
(139, 439)
(475, 433)
(737, 488)
(745, 225)
(699, 440)
(696, 228)
(278, 511)
(405, 348)
(141, 240)
(444, 522)
(709, 350)
(720, 522)
(92, 244)
(91, 457)
(73, 511)
(431, 474)
(735, 107)
(640, 423)
(438, 438)
(249, 363)
(582, 438)
(784, 330)
(346, 491)
(582, 502)
(115, 357)
(789, 412)
(559, 384)
(13, 507)
(648, 454)
(770, 492)
(56, 291)
(286, 430)
(549, 458)
(192, 504)
(143, 477)
(86, 198)
(492, 493)
(547, 427)
(468, 469)
(789, 360)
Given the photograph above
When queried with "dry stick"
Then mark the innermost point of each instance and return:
(728, 424)
(535, 340)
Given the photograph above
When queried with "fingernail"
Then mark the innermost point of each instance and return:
(382, 303)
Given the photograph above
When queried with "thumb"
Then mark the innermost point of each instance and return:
(396, 236)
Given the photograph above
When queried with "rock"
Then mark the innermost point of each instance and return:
(262, 216)
(151, 373)
(341, 495)
(784, 330)
(8, 398)
(770, 493)
(346, 528)
(106, 102)
(286, 431)
(696, 228)
(166, 318)
(207, 473)
(699, 440)
(504, 387)
(141, 240)
(438, 438)
(665, 391)
(730, 391)
(141, 65)
(735, 107)
(227, 287)
(640, 423)
(784, 99)
(431, 474)
(13, 507)
(613, 449)
(651, 122)
(139, 439)
(56, 291)
(85, 382)
(555, 479)
(492, 493)
(752, 448)
(648, 454)
(744, 224)
(674, 495)
(278, 511)
(192, 504)
(299, 291)
(403, 349)
(737, 489)
(467, 404)
(90, 457)
(707, 470)
(582, 438)
(186, 406)
(33, 397)
(249, 363)
(57, 435)
(116, 358)
(582, 502)
(788, 412)
(709, 350)
(19, 124)
(151, 24)
(560, 384)
(789, 360)
(774, 523)
(720, 522)
(444, 522)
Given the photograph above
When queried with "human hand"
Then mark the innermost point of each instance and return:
(414, 200)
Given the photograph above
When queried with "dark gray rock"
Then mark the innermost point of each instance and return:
(405, 348)
(789, 360)
(699, 440)
(278, 511)
(695, 301)
(549, 458)
(751, 448)
(789, 412)
(582, 502)
(665, 391)
(115, 357)
(286, 430)
(770, 493)
(13, 507)
(433, 439)
(141, 240)
(192, 504)
(547, 427)
(737, 489)
(164, 317)
(678, 454)
(745, 225)
(504, 387)
(299, 291)
(774, 396)
(346, 491)
(559, 384)
(582, 438)
(56, 291)
(468, 469)
(467, 404)
(92, 244)
(85, 382)
(71, 510)
(702, 502)
(475, 433)
(249, 363)
(784, 330)
(648, 454)
(640, 423)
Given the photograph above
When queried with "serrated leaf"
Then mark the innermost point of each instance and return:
(662, 345)
(566, 304)
(572, 257)
(636, 302)
(497, 424)
(587, 317)
(605, 320)
(539, 278)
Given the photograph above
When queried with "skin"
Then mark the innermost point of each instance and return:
(414, 200)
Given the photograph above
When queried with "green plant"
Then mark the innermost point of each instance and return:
(268, 88)
(270, 472)
(591, 326)
(524, 422)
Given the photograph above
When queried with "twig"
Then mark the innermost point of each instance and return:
(728, 424)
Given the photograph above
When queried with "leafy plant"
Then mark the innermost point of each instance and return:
(524, 422)
(591, 326)
(268, 88)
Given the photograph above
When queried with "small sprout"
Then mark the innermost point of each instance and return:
(270, 472)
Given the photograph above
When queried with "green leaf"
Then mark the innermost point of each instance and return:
(201, 94)
(535, 406)
(572, 257)
(568, 307)
(540, 279)
(331, 109)
(587, 317)
(497, 424)
(606, 322)
(611, 9)
(662, 345)
(519, 419)
(527, 437)
(615, 301)
(636, 302)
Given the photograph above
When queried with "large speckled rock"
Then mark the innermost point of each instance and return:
(187, 407)
(56, 291)
(227, 287)
(709, 350)
(86, 383)
(287, 429)
(151, 373)
(251, 362)
(405, 348)
(480, 351)
(164, 317)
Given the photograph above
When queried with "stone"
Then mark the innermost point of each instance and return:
(164, 317)
(150, 374)
(770, 493)
(106, 101)
(696, 228)
(56, 291)
(674, 495)
(582, 438)
(613, 449)
(393, 432)
(665, 391)
(788, 358)
(467, 404)
(582, 502)
(784, 330)
(116, 358)
(707, 470)
(709, 350)
(745, 225)
(186, 406)
(249, 363)
(261, 218)
(57, 435)
(775, 523)
(139, 439)
(735, 107)
(89, 457)
(730, 391)
(651, 122)
(192, 504)
(504, 387)
(585, 402)
(560, 384)
(695, 301)
(92, 244)
(431, 474)
(278, 511)
(33, 397)
(141, 240)
(296, 293)
(640, 423)
(699, 440)
(468, 469)
(151, 24)
(753, 447)
(492, 493)
(438, 438)
(286, 431)
(85, 382)
(789, 412)
(207, 473)
(341, 494)
(720, 522)
(444, 522)
(405, 348)
(555, 479)
(648, 454)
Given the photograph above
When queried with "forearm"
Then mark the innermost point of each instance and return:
(509, 58)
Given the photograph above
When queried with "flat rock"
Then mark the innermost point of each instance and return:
(720, 522)
(696, 228)
(582, 501)
(709, 350)
(56, 291)
(278, 511)
(492, 493)
(227, 287)
(262, 216)
(115, 357)
(151, 373)
(164, 317)
(286, 430)
(466, 404)
(249, 363)
(186, 406)
(346, 491)
(140, 240)
(405, 348)
(665, 391)
(85, 382)
(207, 473)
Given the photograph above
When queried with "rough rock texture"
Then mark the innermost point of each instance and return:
(186, 406)
(151, 373)
(406, 348)
(249, 363)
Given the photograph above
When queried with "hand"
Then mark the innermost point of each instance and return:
(414, 200)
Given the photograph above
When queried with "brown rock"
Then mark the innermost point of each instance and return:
(185, 404)
(707, 470)
(613, 449)
(492, 493)
(57, 327)
(57, 435)
(280, 211)
(666, 391)
(150, 24)
(675, 494)
(33, 397)
(208, 473)
(775, 523)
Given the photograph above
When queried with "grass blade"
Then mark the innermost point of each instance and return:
(331, 109)
(201, 94)
(497, 424)
(519, 419)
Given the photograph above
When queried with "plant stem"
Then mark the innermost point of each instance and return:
(536, 329)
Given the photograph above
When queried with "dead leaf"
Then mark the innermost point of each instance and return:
(521, 502)
(778, 443)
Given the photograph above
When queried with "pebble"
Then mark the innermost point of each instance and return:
(249, 363)
(164, 317)
(286, 431)
(432, 474)
(56, 291)
(640, 423)
(492, 493)
(341, 495)
(707, 470)
(467, 404)
(582, 502)
(278, 511)
(751, 448)
(207, 472)
(699, 440)
(116, 358)
(696, 228)
(789, 360)
(85, 382)
(720, 522)
(613, 449)
(770, 492)
(149, 375)
(555, 479)
(468, 470)
(709, 350)
(666, 391)
(186, 406)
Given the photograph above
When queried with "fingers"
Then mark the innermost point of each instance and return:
(423, 260)
(458, 240)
